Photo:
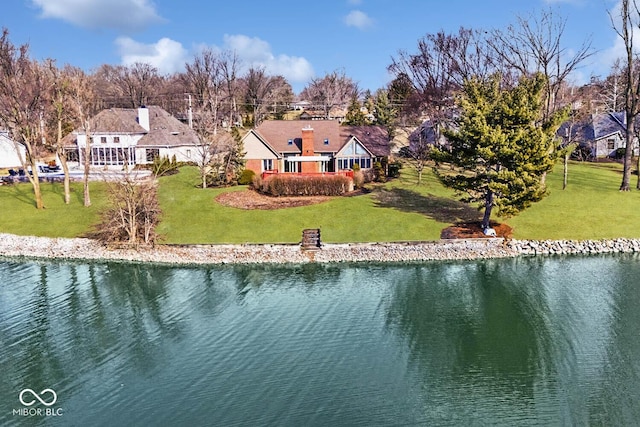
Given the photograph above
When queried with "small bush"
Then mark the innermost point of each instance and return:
(358, 179)
(378, 172)
(246, 177)
(256, 183)
(355, 167)
(162, 166)
(291, 185)
(619, 153)
(394, 169)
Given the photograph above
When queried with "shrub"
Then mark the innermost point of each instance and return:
(378, 172)
(358, 179)
(162, 166)
(355, 167)
(619, 153)
(291, 185)
(394, 169)
(246, 177)
(256, 183)
(132, 214)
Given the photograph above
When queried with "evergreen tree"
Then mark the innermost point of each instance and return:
(355, 116)
(501, 148)
(385, 113)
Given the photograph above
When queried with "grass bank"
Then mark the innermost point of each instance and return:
(19, 215)
(590, 208)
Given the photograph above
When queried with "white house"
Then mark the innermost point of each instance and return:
(133, 136)
(10, 152)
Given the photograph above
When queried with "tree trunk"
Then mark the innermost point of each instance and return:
(66, 180)
(87, 160)
(65, 166)
(638, 171)
(626, 172)
(488, 207)
(30, 160)
(565, 171)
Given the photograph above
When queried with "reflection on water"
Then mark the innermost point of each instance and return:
(531, 341)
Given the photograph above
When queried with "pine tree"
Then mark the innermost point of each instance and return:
(501, 148)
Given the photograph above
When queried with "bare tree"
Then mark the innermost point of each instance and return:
(211, 149)
(624, 26)
(230, 66)
(128, 86)
(534, 45)
(83, 103)
(22, 92)
(60, 113)
(333, 90)
(132, 215)
(204, 79)
(441, 65)
(265, 94)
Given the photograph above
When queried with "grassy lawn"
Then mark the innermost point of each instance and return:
(191, 215)
(19, 215)
(590, 208)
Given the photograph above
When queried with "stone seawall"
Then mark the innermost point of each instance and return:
(466, 249)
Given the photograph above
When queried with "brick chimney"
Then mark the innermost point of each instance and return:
(307, 150)
(307, 141)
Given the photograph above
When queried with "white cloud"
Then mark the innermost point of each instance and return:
(358, 19)
(167, 55)
(126, 15)
(254, 51)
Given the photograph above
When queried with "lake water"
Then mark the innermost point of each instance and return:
(529, 341)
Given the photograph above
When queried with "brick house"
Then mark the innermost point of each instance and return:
(320, 146)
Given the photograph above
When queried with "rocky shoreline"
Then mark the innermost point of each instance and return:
(463, 249)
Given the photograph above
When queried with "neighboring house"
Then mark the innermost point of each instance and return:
(427, 133)
(133, 136)
(11, 152)
(297, 146)
(602, 133)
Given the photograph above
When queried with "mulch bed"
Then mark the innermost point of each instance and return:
(249, 199)
(472, 230)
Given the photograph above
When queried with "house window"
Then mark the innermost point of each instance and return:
(290, 142)
(326, 142)
(152, 153)
(72, 155)
(611, 144)
(103, 139)
(267, 164)
(188, 154)
(116, 139)
(348, 162)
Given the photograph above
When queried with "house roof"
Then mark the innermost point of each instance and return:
(164, 129)
(277, 134)
(607, 124)
(597, 127)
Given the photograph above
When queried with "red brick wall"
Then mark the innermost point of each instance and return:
(256, 165)
(307, 150)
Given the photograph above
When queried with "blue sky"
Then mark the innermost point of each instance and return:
(294, 38)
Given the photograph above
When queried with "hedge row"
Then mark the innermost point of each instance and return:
(293, 185)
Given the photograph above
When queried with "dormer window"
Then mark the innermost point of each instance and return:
(326, 141)
(290, 142)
